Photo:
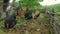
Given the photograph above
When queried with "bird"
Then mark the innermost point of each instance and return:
(20, 12)
(10, 21)
(28, 15)
(36, 14)
(32, 14)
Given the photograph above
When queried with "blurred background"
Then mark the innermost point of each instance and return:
(48, 21)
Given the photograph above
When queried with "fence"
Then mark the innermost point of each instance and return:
(53, 19)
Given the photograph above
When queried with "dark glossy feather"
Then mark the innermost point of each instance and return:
(10, 21)
(28, 15)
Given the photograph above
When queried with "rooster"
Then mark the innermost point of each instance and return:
(32, 14)
(10, 21)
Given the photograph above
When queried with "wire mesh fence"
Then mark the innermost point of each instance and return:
(54, 20)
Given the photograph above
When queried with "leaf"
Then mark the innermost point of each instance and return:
(30, 3)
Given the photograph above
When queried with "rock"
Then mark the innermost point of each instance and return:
(38, 29)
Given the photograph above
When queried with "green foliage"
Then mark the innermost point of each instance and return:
(51, 31)
(56, 7)
(20, 21)
(31, 3)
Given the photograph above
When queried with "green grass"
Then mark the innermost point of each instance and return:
(20, 22)
(56, 7)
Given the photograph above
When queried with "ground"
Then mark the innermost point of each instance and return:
(37, 26)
